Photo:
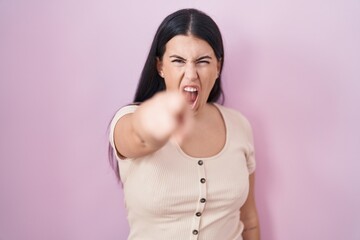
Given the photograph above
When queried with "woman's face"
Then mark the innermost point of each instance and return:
(189, 65)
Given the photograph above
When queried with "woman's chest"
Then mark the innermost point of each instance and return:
(170, 185)
(205, 140)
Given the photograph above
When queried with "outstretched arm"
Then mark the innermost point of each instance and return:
(153, 123)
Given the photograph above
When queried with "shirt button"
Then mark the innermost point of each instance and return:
(195, 232)
(200, 162)
(198, 214)
(202, 200)
(203, 180)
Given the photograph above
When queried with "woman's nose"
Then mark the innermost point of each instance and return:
(191, 72)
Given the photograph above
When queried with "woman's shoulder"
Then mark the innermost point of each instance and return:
(233, 113)
(130, 108)
(124, 110)
(237, 123)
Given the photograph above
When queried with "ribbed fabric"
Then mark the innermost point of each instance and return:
(164, 192)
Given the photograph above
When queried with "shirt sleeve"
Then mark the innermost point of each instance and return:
(250, 154)
(119, 114)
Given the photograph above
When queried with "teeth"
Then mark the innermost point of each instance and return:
(190, 89)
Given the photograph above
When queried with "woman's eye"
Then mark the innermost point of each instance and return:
(177, 61)
(203, 62)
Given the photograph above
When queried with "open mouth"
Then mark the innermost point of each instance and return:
(191, 94)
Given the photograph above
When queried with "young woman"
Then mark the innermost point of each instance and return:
(186, 162)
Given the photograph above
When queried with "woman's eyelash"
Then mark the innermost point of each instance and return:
(182, 61)
(178, 61)
(203, 61)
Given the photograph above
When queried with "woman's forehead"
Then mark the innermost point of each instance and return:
(188, 46)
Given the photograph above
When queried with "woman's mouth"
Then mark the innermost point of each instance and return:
(191, 94)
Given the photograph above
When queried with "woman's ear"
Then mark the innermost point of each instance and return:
(219, 66)
(159, 67)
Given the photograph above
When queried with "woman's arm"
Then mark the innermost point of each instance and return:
(249, 215)
(150, 126)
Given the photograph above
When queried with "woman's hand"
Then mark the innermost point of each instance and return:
(165, 116)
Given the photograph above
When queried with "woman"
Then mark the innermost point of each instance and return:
(186, 163)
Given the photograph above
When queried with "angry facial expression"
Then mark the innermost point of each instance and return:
(189, 65)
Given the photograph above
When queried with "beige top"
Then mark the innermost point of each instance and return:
(171, 195)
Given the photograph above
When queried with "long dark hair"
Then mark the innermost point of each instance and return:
(182, 22)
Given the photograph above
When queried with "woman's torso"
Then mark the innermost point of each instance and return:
(164, 192)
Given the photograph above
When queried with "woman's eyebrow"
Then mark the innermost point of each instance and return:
(177, 56)
(199, 59)
(203, 57)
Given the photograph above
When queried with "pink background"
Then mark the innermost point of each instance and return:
(292, 67)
